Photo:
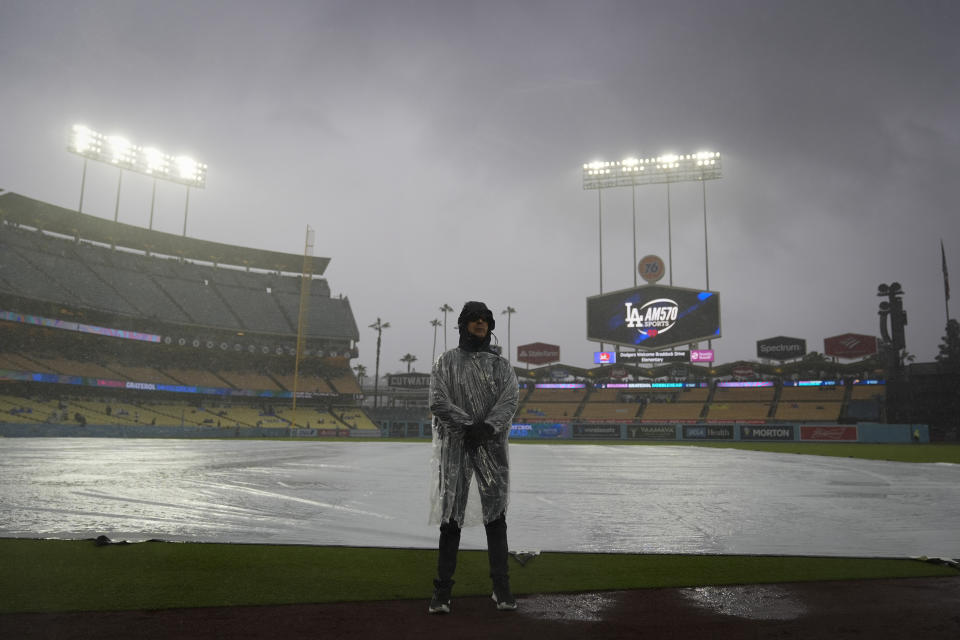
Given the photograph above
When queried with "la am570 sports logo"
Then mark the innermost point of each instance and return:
(653, 317)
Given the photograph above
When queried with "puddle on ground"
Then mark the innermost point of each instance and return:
(585, 607)
(753, 602)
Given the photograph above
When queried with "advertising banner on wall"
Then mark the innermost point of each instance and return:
(651, 432)
(850, 345)
(596, 431)
(653, 317)
(781, 348)
(543, 431)
(708, 432)
(538, 353)
(412, 380)
(832, 433)
(777, 432)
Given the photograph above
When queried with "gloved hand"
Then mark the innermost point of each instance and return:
(477, 433)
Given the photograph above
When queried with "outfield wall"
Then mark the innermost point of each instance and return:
(40, 430)
(866, 432)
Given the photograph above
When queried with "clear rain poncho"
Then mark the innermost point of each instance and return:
(468, 387)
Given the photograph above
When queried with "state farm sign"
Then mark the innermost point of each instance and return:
(538, 353)
(850, 345)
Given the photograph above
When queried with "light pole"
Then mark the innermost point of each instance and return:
(379, 326)
(509, 311)
(121, 153)
(433, 356)
(665, 169)
(445, 309)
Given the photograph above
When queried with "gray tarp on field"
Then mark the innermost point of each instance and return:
(648, 499)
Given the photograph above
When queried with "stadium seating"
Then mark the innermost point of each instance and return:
(547, 411)
(309, 383)
(346, 384)
(541, 395)
(195, 377)
(812, 394)
(625, 411)
(808, 411)
(249, 380)
(867, 392)
(669, 411)
(699, 395)
(355, 419)
(604, 395)
(738, 411)
(743, 394)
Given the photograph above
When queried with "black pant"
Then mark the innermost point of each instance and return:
(497, 552)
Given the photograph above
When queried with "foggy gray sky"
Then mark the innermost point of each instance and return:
(436, 148)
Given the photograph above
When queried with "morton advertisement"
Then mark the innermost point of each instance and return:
(653, 317)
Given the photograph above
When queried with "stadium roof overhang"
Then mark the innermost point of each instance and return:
(25, 211)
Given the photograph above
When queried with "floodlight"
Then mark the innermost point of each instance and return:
(149, 161)
(666, 168)
(121, 152)
(155, 162)
(84, 140)
(186, 167)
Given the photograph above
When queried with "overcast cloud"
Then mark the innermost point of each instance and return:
(436, 148)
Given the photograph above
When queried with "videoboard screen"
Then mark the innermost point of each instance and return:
(653, 317)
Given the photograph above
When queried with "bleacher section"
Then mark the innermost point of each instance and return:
(83, 275)
(346, 384)
(808, 411)
(621, 411)
(670, 411)
(738, 411)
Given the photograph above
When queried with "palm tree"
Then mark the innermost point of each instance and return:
(409, 358)
(379, 326)
(361, 373)
(509, 311)
(445, 308)
(434, 323)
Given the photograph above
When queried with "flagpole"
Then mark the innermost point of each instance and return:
(946, 281)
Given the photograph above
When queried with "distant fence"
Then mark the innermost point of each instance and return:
(40, 430)
(710, 432)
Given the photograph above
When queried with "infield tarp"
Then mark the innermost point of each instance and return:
(616, 498)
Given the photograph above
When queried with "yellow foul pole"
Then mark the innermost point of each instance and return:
(306, 277)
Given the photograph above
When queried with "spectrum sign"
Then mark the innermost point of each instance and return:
(653, 317)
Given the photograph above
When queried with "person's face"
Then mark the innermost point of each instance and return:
(477, 327)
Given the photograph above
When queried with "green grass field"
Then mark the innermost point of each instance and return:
(77, 575)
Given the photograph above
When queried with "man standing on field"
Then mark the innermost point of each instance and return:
(473, 397)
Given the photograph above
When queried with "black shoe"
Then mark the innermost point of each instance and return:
(440, 602)
(504, 599)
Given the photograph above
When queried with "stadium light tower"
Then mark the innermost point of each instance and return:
(509, 311)
(121, 153)
(378, 326)
(666, 169)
